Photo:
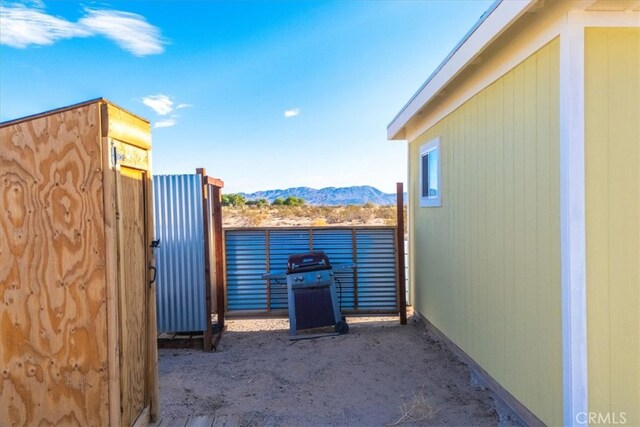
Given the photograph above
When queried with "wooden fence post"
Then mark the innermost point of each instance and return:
(402, 292)
(207, 340)
(216, 199)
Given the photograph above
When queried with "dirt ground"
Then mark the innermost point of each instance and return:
(378, 374)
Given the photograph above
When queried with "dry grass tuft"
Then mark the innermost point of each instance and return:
(419, 408)
(307, 215)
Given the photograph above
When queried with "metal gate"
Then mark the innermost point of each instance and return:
(372, 287)
(180, 260)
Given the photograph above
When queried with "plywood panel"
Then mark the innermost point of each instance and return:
(133, 294)
(52, 279)
(500, 221)
(612, 168)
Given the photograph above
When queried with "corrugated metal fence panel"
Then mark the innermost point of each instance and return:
(283, 243)
(375, 256)
(178, 223)
(246, 262)
(338, 245)
(376, 269)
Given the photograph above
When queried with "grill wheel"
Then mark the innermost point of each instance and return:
(342, 327)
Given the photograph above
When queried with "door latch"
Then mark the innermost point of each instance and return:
(154, 273)
(116, 155)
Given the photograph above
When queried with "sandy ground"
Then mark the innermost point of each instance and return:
(378, 374)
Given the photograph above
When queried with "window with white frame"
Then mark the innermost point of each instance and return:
(430, 176)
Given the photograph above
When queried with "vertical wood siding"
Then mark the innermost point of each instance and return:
(487, 263)
(133, 296)
(612, 168)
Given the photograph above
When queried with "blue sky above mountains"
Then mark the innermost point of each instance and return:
(264, 94)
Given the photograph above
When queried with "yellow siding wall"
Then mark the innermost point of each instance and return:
(487, 263)
(612, 151)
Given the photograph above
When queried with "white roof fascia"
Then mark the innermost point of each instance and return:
(493, 23)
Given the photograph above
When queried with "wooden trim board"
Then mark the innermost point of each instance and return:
(112, 285)
(152, 346)
(204, 186)
(402, 294)
(143, 418)
(216, 200)
(573, 222)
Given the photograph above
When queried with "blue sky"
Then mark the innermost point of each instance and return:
(263, 94)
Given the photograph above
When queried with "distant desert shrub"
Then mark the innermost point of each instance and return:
(319, 222)
(261, 214)
(386, 212)
(336, 216)
(233, 200)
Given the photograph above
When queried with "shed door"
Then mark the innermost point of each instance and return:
(133, 294)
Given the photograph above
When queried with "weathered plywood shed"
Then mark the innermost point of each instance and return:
(77, 320)
(524, 184)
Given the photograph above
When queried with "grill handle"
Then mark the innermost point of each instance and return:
(274, 276)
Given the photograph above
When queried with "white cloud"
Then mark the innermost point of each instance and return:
(292, 112)
(21, 26)
(130, 31)
(163, 105)
(165, 123)
(159, 103)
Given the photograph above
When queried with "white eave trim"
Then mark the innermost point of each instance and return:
(495, 21)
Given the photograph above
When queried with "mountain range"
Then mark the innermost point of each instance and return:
(330, 196)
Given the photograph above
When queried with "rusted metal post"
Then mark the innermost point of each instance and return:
(216, 201)
(207, 341)
(402, 292)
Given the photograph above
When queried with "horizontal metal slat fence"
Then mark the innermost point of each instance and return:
(246, 259)
(376, 269)
(370, 288)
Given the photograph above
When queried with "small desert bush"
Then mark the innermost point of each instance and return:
(418, 409)
(306, 215)
(255, 217)
(319, 222)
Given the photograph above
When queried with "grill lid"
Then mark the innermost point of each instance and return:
(309, 261)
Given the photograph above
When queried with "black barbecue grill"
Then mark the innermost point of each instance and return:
(311, 290)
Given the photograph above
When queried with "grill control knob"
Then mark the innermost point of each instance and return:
(318, 276)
